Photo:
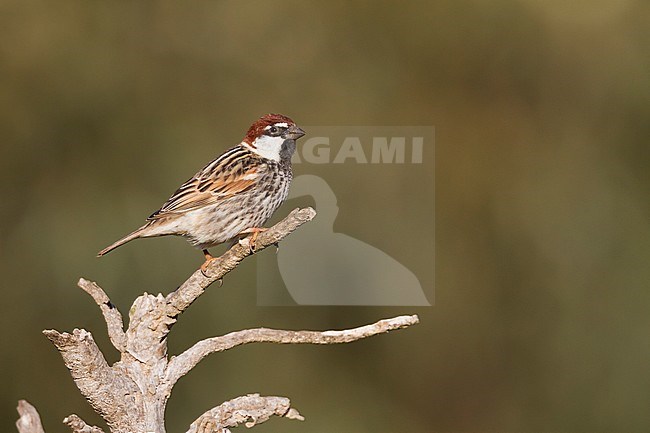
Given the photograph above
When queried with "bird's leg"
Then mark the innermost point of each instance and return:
(208, 259)
(255, 231)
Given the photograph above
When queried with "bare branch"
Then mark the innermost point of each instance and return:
(183, 363)
(110, 392)
(148, 326)
(112, 315)
(30, 420)
(151, 317)
(191, 289)
(77, 425)
(132, 394)
(249, 409)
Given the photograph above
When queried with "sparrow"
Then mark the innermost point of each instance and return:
(233, 195)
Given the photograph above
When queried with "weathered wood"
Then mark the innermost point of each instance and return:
(131, 395)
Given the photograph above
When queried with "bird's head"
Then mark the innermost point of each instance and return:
(273, 136)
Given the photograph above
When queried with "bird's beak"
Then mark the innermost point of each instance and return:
(293, 133)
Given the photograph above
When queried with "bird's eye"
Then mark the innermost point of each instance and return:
(273, 130)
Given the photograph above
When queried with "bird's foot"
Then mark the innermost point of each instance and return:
(251, 241)
(208, 260)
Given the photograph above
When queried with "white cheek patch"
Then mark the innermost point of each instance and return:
(268, 147)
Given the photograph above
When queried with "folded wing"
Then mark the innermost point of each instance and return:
(228, 175)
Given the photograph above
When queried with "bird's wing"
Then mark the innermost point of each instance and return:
(232, 173)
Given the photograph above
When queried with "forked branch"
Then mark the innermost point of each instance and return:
(131, 395)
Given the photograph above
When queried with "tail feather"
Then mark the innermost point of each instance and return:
(136, 234)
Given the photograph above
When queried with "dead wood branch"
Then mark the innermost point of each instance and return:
(77, 425)
(113, 394)
(30, 420)
(112, 315)
(191, 289)
(249, 409)
(183, 363)
(131, 395)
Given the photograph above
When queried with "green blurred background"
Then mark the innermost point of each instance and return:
(541, 111)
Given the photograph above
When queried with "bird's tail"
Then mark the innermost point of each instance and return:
(136, 234)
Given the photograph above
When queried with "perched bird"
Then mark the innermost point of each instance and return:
(231, 196)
